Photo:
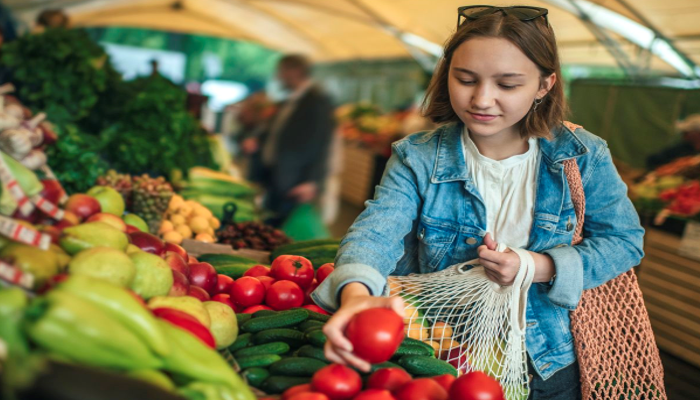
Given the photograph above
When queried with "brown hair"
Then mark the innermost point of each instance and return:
(535, 39)
(296, 61)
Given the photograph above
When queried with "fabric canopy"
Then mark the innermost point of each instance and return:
(369, 29)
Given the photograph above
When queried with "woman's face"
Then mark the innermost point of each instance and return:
(493, 85)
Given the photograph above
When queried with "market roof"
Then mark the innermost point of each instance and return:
(368, 29)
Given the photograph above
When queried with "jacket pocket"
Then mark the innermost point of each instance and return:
(433, 244)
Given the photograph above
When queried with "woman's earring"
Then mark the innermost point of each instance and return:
(537, 103)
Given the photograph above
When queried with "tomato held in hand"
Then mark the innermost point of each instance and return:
(445, 381)
(284, 295)
(388, 378)
(293, 268)
(323, 271)
(375, 334)
(247, 291)
(258, 270)
(374, 394)
(336, 381)
(476, 385)
(421, 389)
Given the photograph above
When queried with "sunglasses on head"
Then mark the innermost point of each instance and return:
(523, 13)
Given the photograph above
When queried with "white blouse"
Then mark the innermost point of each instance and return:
(508, 190)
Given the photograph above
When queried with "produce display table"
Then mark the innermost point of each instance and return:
(671, 286)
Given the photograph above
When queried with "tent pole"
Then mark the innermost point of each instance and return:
(694, 67)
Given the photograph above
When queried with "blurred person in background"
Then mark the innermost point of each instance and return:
(51, 18)
(689, 145)
(291, 151)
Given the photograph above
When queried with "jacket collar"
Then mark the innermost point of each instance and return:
(450, 164)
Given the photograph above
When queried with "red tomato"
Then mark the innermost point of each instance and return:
(247, 291)
(445, 381)
(309, 396)
(315, 308)
(296, 390)
(323, 271)
(226, 299)
(388, 378)
(266, 280)
(337, 381)
(251, 310)
(258, 270)
(293, 268)
(476, 385)
(375, 334)
(284, 295)
(223, 284)
(374, 394)
(421, 389)
(307, 293)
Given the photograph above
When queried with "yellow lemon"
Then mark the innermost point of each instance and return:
(199, 224)
(204, 237)
(184, 231)
(214, 223)
(165, 227)
(173, 237)
(178, 219)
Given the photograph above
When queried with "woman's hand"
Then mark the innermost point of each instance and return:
(354, 298)
(503, 267)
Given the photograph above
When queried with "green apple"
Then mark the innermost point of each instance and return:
(188, 304)
(81, 237)
(136, 221)
(153, 275)
(104, 263)
(224, 325)
(110, 200)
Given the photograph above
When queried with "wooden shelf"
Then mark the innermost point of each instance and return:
(358, 173)
(671, 287)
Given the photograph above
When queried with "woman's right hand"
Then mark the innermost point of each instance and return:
(354, 298)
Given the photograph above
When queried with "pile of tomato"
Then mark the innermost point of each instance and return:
(338, 382)
(286, 284)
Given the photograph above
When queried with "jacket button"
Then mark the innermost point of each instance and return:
(471, 241)
(569, 227)
(421, 235)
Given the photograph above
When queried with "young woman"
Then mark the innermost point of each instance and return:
(492, 173)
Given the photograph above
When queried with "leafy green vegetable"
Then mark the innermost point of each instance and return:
(75, 159)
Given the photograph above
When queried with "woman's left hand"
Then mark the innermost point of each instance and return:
(499, 267)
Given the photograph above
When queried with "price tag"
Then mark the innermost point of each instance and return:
(690, 242)
(14, 275)
(16, 231)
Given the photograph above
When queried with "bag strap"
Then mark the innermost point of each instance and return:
(578, 196)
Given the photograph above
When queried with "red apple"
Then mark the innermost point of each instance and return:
(52, 190)
(226, 299)
(181, 285)
(69, 218)
(198, 292)
(83, 206)
(266, 280)
(177, 249)
(147, 242)
(203, 275)
(223, 283)
(109, 219)
(177, 263)
(131, 229)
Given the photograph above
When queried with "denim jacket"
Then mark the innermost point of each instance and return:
(427, 215)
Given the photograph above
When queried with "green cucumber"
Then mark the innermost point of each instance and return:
(314, 316)
(310, 323)
(242, 341)
(255, 376)
(225, 259)
(284, 319)
(407, 349)
(310, 351)
(258, 360)
(317, 338)
(278, 384)
(416, 342)
(387, 364)
(264, 313)
(242, 318)
(292, 248)
(296, 366)
(232, 270)
(292, 337)
(423, 365)
(278, 348)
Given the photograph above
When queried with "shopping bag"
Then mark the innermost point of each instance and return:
(305, 223)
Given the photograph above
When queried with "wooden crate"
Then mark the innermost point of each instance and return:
(358, 173)
(671, 287)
